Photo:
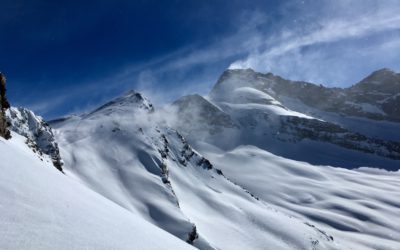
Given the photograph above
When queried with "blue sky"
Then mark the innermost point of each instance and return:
(64, 57)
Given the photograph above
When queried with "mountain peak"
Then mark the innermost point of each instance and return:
(231, 72)
(384, 71)
(239, 70)
(130, 99)
(384, 80)
(382, 74)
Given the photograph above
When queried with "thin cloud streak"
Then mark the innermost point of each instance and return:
(279, 50)
(329, 31)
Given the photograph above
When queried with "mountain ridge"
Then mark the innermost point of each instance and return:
(379, 103)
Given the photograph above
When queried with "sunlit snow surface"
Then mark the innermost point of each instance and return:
(361, 208)
(43, 209)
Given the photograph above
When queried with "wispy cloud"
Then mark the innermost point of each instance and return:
(296, 49)
(331, 42)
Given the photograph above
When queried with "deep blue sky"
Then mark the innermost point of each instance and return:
(69, 56)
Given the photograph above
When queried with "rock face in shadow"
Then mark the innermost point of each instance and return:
(4, 132)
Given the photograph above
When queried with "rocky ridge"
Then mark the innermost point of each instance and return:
(39, 135)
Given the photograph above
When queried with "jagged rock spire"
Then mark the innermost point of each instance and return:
(4, 132)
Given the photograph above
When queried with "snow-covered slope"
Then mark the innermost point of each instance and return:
(43, 209)
(124, 153)
(359, 207)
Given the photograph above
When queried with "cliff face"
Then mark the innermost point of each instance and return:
(4, 132)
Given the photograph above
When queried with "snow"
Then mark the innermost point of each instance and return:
(133, 182)
(43, 209)
(248, 95)
(134, 161)
(358, 207)
(273, 110)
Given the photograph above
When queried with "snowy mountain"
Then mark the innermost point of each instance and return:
(352, 205)
(125, 153)
(288, 119)
(260, 163)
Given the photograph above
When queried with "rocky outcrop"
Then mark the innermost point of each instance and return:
(39, 134)
(4, 105)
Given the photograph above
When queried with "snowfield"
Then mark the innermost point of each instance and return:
(361, 208)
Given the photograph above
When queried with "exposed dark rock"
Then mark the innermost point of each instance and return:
(4, 105)
(206, 164)
(193, 235)
(187, 152)
(328, 237)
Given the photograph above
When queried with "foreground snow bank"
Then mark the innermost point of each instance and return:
(43, 209)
